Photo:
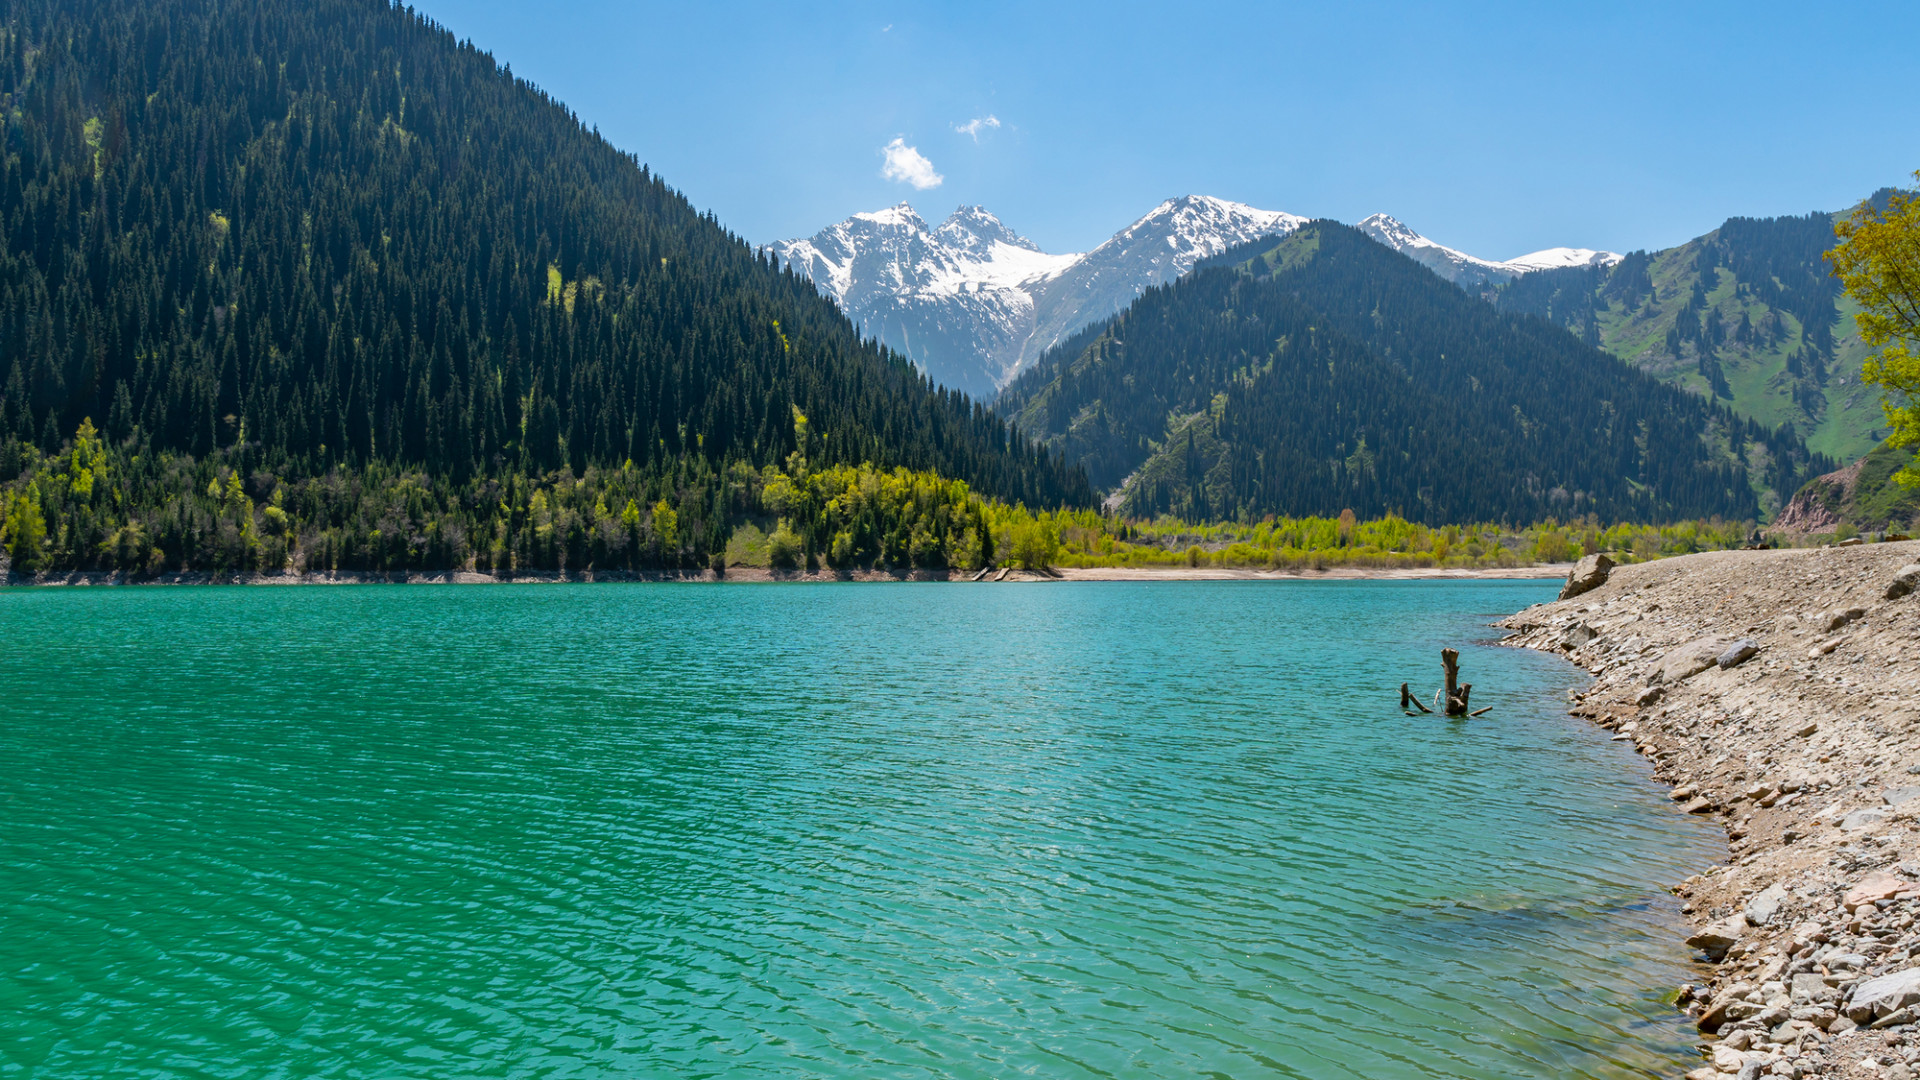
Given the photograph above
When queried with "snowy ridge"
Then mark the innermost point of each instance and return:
(1467, 271)
(973, 302)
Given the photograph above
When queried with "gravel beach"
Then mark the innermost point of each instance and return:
(1778, 692)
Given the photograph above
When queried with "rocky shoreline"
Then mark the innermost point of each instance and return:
(1778, 692)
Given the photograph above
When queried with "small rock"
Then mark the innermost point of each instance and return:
(1807, 729)
(1739, 653)
(1879, 885)
(1701, 805)
(1839, 617)
(1650, 695)
(1716, 939)
(1681, 793)
(1689, 660)
(1894, 1019)
(1762, 909)
(1901, 795)
(1810, 988)
(1587, 575)
(1577, 635)
(1863, 819)
(1885, 995)
(1905, 580)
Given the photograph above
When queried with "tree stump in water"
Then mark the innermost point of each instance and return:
(1457, 691)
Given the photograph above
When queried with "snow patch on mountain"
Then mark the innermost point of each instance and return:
(1559, 258)
(1466, 270)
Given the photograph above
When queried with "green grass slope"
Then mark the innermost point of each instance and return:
(1746, 314)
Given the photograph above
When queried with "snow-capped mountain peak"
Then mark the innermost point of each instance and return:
(973, 302)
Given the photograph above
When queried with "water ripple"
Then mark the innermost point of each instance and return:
(797, 831)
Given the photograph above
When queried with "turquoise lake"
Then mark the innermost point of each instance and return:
(1067, 830)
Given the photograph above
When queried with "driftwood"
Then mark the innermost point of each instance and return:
(1477, 712)
(1407, 698)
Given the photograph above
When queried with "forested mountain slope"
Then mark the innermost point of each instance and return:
(1324, 372)
(310, 235)
(1747, 313)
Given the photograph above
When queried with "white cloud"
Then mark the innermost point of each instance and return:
(974, 126)
(908, 164)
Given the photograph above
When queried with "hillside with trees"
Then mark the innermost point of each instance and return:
(324, 243)
(1748, 314)
(1325, 372)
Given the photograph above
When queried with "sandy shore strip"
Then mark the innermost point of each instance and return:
(1779, 693)
(1343, 573)
(750, 574)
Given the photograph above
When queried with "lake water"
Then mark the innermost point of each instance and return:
(918, 831)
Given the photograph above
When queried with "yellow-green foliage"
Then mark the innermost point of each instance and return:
(1878, 260)
(1087, 539)
(846, 516)
(98, 506)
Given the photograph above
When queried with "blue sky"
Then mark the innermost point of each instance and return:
(1495, 128)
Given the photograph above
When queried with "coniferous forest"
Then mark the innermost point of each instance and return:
(315, 279)
(1324, 371)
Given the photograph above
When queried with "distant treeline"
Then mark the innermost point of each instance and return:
(96, 506)
(99, 507)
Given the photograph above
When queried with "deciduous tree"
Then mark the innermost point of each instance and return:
(1878, 261)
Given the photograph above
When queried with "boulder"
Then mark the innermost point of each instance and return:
(1738, 653)
(1716, 939)
(1764, 908)
(1587, 575)
(1905, 580)
(1884, 996)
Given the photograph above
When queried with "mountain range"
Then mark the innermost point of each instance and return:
(1321, 371)
(974, 303)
